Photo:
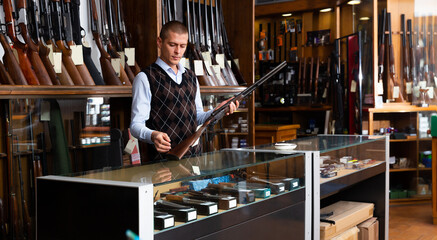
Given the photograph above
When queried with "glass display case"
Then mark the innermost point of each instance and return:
(267, 191)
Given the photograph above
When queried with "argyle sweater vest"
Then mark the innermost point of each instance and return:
(172, 108)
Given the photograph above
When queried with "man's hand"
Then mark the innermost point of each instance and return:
(161, 141)
(232, 107)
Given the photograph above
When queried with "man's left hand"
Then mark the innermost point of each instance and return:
(232, 107)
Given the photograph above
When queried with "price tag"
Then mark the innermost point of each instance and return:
(50, 47)
(185, 62)
(430, 92)
(122, 59)
(206, 58)
(416, 91)
(217, 71)
(380, 88)
(325, 93)
(196, 170)
(396, 92)
(115, 62)
(130, 145)
(229, 63)
(77, 54)
(130, 54)
(220, 60)
(422, 84)
(198, 68)
(237, 61)
(378, 102)
(57, 62)
(409, 86)
(353, 86)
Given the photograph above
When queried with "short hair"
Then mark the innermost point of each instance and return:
(173, 26)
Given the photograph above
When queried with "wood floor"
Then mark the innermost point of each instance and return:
(412, 222)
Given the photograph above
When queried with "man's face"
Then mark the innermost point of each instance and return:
(173, 47)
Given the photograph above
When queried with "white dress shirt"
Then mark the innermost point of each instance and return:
(141, 98)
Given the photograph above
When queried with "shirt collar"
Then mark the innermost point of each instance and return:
(167, 68)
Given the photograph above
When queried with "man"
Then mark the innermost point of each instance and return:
(166, 103)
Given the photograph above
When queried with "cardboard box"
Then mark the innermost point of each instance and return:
(346, 215)
(351, 234)
(369, 229)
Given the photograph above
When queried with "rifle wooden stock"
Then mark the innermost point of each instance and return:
(69, 64)
(44, 55)
(205, 79)
(33, 50)
(109, 74)
(124, 78)
(83, 71)
(21, 48)
(179, 150)
(27, 222)
(11, 63)
(5, 78)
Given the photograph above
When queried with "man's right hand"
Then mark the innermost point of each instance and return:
(161, 141)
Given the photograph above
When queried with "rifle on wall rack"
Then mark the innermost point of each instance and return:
(405, 58)
(381, 52)
(21, 48)
(47, 44)
(109, 75)
(179, 150)
(394, 88)
(77, 38)
(412, 50)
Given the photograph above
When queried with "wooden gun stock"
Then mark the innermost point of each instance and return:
(5, 78)
(26, 67)
(69, 64)
(44, 55)
(109, 74)
(83, 71)
(11, 63)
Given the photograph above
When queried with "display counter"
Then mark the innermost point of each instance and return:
(271, 193)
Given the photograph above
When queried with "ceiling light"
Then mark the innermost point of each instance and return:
(326, 10)
(354, 2)
(364, 18)
(286, 14)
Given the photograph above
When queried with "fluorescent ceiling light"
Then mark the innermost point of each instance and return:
(286, 14)
(354, 2)
(364, 18)
(326, 10)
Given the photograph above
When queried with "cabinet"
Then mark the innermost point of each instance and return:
(107, 202)
(274, 133)
(409, 126)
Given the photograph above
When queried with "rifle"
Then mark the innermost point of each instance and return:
(304, 74)
(395, 91)
(20, 47)
(299, 84)
(311, 76)
(114, 39)
(47, 42)
(413, 74)
(68, 38)
(432, 73)
(77, 38)
(381, 42)
(194, 46)
(316, 83)
(57, 25)
(203, 49)
(179, 150)
(109, 75)
(218, 48)
(123, 34)
(110, 48)
(32, 47)
(223, 38)
(425, 58)
(338, 83)
(5, 78)
(406, 64)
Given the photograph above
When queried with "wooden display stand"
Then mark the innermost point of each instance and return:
(265, 134)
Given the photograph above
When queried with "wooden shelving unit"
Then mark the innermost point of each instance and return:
(401, 115)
